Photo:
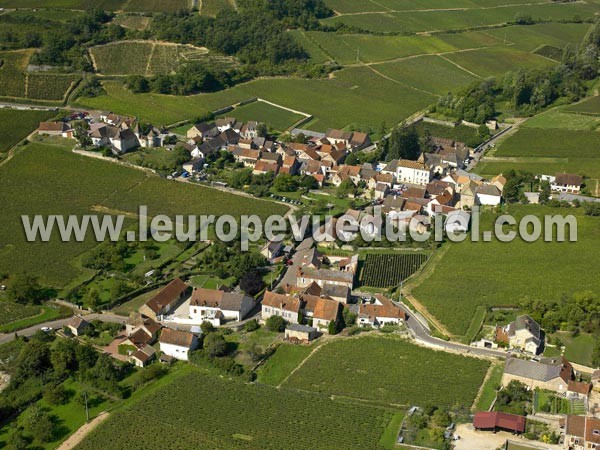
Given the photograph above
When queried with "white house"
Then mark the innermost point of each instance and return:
(413, 172)
(177, 344)
(567, 182)
(379, 313)
(215, 306)
(488, 195)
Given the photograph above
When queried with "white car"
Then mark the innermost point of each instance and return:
(46, 329)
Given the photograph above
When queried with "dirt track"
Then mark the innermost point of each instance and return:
(82, 432)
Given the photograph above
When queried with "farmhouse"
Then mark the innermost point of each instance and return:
(143, 356)
(567, 182)
(300, 333)
(286, 306)
(141, 330)
(120, 140)
(306, 276)
(55, 129)
(167, 300)
(524, 333)
(413, 172)
(322, 311)
(203, 130)
(264, 166)
(582, 433)
(338, 293)
(272, 250)
(553, 374)
(216, 306)
(488, 195)
(78, 325)
(499, 421)
(382, 311)
(177, 344)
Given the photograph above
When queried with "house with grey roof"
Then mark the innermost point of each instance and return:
(551, 374)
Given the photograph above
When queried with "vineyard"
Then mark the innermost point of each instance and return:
(385, 270)
(11, 312)
(16, 125)
(16, 82)
(149, 58)
(390, 370)
(213, 412)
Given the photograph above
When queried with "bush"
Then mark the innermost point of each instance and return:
(215, 345)
(55, 394)
(252, 325)
(276, 323)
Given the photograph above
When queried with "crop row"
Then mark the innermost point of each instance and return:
(387, 270)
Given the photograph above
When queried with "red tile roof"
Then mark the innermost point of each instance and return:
(492, 420)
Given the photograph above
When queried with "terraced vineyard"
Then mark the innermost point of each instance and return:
(384, 270)
(149, 58)
(244, 416)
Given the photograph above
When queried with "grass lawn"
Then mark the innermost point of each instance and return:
(389, 370)
(211, 282)
(500, 274)
(489, 388)
(276, 118)
(134, 304)
(241, 416)
(16, 125)
(284, 360)
(577, 349)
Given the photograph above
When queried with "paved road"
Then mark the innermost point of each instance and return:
(422, 334)
(4, 338)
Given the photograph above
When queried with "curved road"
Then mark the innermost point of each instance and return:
(423, 335)
(4, 338)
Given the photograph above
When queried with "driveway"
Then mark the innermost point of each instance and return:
(113, 318)
(486, 440)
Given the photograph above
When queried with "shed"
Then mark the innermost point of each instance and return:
(499, 421)
(300, 333)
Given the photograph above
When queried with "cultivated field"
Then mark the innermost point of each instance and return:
(541, 147)
(354, 96)
(589, 106)
(276, 118)
(149, 58)
(501, 274)
(16, 125)
(108, 5)
(16, 82)
(134, 22)
(248, 416)
(385, 270)
(71, 184)
(400, 17)
(390, 370)
(212, 7)
(157, 5)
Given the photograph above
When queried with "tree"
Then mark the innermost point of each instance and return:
(15, 440)
(404, 143)
(55, 394)
(545, 192)
(39, 424)
(349, 317)
(252, 282)
(261, 130)
(215, 345)
(80, 133)
(285, 183)
(206, 327)
(334, 327)
(511, 190)
(276, 323)
(25, 289)
(441, 418)
(92, 298)
(346, 188)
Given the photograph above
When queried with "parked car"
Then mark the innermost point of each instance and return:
(46, 329)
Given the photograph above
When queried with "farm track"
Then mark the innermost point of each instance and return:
(75, 439)
(400, 82)
(488, 374)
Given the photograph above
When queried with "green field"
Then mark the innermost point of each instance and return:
(563, 117)
(16, 125)
(410, 19)
(589, 106)
(12, 312)
(548, 150)
(233, 414)
(354, 96)
(157, 5)
(501, 274)
(280, 365)
(132, 21)
(212, 7)
(108, 5)
(276, 118)
(390, 370)
(488, 390)
(72, 184)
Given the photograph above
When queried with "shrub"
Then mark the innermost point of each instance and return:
(276, 323)
(252, 325)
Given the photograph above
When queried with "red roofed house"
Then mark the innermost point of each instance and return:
(167, 300)
(379, 313)
(582, 433)
(282, 305)
(55, 129)
(499, 421)
(177, 344)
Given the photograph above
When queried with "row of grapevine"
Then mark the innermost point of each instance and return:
(384, 270)
(203, 411)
